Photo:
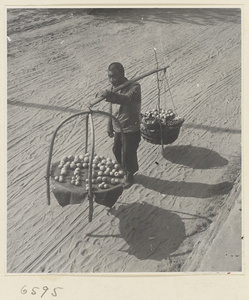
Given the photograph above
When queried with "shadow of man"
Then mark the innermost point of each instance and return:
(184, 189)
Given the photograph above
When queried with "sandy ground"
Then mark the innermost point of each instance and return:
(168, 219)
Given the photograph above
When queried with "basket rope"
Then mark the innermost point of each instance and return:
(171, 96)
(159, 95)
(158, 83)
(162, 134)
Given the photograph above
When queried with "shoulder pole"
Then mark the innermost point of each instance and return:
(120, 87)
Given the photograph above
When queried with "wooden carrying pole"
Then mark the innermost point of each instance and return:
(120, 87)
(90, 171)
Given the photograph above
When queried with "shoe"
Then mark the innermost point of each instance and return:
(129, 180)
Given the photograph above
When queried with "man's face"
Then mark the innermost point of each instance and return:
(115, 77)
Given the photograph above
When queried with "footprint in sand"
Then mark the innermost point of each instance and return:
(76, 251)
(96, 242)
(84, 252)
(115, 222)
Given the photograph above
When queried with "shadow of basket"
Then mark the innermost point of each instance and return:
(194, 157)
(151, 232)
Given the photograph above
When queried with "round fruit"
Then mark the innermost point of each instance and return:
(104, 179)
(100, 173)
(113, 181)
(97, 158)
(76, 159)
(109, 164)
(86, 159)
(63, 172)
(107, 172)
(84, 165)
(102, 168)
(56, 178)
(116, 174)
(121, 172)
(72, 165)
(106, 186)
(99, 179)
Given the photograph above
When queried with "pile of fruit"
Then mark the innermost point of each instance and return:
(105, 171)
(161, 116)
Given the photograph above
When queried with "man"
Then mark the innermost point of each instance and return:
(125, 105)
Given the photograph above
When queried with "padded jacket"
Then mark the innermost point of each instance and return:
(125, 105)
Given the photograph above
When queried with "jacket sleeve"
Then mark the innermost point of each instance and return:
(134, 94)
(109, 123)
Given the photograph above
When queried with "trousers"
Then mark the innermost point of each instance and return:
(130, 146)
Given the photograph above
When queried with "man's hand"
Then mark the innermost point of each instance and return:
(103, 94)
(110, 133)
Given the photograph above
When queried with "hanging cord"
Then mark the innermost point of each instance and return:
(161, 127)
(163, 86)
(166, 79)
(158, 83)
(158, 101)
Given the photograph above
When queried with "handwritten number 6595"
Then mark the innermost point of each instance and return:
(45, 289)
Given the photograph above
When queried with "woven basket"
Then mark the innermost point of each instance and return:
(160, 133)
(67, 194)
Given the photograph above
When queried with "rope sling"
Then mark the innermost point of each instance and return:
(158, 126)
